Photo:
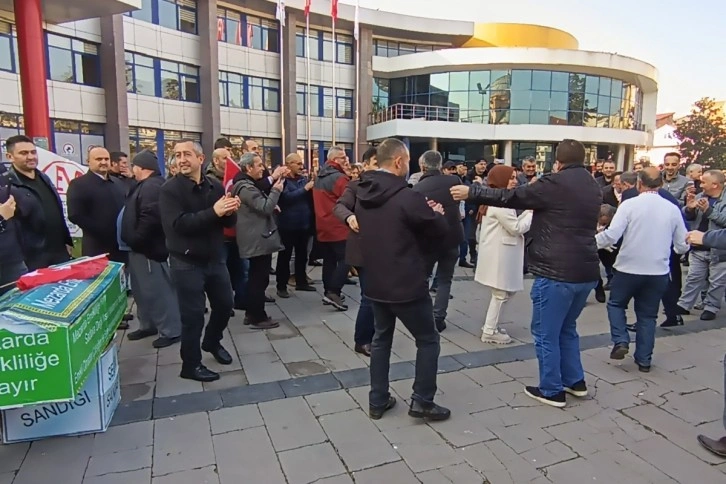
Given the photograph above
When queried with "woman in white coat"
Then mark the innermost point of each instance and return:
(501, 238)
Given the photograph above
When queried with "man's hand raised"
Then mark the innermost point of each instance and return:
(459, 192)
(226, 205)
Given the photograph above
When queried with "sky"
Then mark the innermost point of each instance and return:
(679, 38)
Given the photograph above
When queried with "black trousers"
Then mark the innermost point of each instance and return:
(335, 270)
(47, 258)
(296, 240)
(418, 318)
(259, 279)
(673, 291)
(192, 281)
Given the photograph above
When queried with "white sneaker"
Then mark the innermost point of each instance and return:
(498, 338)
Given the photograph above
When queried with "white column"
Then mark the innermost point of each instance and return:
(620, 158)
(508, 153)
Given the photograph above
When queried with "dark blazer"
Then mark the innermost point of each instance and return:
(566, 207)
(145, 235)
(94, 204)
(344, 208)
(608, 196)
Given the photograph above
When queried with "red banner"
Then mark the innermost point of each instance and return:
(231, 170)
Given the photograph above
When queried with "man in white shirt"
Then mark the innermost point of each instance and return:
(649, 226)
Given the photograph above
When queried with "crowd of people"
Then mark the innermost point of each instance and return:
(191, 241)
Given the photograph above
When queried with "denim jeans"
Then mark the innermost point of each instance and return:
(364, 321)
(192, 281)
(297, 241)
(647, 292)
(238, 273)
(418, 318)
(445, 267)
(556, 306)
(464, 245)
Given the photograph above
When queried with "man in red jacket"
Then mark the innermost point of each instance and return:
(331, 232)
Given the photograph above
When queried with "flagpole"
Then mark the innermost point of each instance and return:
(308, 121)
(335, 100)
(357, 81)
(283, 89)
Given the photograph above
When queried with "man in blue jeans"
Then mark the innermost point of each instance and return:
(649, 225)
(562, 257)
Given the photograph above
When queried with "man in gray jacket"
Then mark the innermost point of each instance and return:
(706, 211)
(673, 181)
(713, 239)
(257, 235)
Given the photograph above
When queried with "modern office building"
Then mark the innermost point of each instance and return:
(205, 68)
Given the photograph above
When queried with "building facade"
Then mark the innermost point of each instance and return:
(207, 68)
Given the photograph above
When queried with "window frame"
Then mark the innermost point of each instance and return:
(74, 53)
(12, 41)
(246, 84)
(178, 7)
(157, 71)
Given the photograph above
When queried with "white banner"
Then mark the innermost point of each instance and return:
(61, 171)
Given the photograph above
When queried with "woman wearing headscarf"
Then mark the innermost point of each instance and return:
(501, 239)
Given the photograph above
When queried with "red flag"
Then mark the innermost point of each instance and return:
(220, 29)
(250, 35)
(307, 8)
(334, 10)
(83, 269)
(238, 38)
(231, 169)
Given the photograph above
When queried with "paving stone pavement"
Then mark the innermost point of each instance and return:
(313, 428)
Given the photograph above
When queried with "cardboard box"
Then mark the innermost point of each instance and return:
(52, 336)
(91, 410)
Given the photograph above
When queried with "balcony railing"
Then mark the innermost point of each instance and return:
(486, 116)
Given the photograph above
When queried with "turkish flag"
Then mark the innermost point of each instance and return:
(307, 8)
(231, 169)
(220, 29)
(82, 269)
(334, 10)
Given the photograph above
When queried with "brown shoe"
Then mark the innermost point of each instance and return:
(267, 324)
(717, 447)
(364, 350)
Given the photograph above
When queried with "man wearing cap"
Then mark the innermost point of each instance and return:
(449, 168)
(141, 230)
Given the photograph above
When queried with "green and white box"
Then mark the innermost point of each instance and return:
(52, 336)
(91, 410)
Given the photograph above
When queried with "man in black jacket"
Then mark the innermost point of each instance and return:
(435, 186)
(395, 261)
(158, 307)
(45, 235)
(12, 265)
(194, 210)
(121, 171)
(94, 202)
(563, 257)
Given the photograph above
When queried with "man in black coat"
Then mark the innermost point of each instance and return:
(45, 235)
(141, 230)
(94, 202)
(194, 211)
(434, 185)
(563, 258)
(612, 194)
(396, 267)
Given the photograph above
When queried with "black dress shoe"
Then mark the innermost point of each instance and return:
(269, 299)
(619, 351)
(123, 325)
(429, 412)
(600, 295)
(165, 342)
(717, 447)
(682, 312)
(364, 350)
(643, 368)
(141, 334)
(127, 317)
(376, 413)
(283, 293)
(466, 265)
(631, 327)
(220, 354)
(708, 316)
(315, 263)
(672, 322)
(200, 373)
(440, 325)
(350, 282)
(306, 288)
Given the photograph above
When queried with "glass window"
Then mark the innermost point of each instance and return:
(521, 99)
(7, 50)
(605, 86)
(145, 13)
(73, 60)
(592, 84)
(440, 82)
(617, 89)
(577, 83)
(558, 101)
(301, 98)
(300, 42)
(519, 116)
(344, 102)
(459, 81)
(179, 15)
(521, 80)
(142, 139)
(344, 47)
(175, 80)
(264, 94)
(262, 34)
(560, 81)
(541, 80)
(541, 100)
(479, 80)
